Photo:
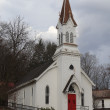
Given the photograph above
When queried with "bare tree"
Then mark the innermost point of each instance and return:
(15, 51)
(88, 63)
(101, 77)
(3, 28)
(17, 35)
(99, 74)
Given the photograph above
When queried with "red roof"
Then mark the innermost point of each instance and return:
(66, 13)
(101, 94)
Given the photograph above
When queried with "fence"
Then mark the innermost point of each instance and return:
(15, 106)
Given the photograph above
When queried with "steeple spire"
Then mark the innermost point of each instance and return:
(66, 33)
(66, 13)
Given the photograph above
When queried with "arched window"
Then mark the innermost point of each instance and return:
(71, 37)
(71, 88)
(67, 37)
(47, 95)
(82, 99)
(61, 38)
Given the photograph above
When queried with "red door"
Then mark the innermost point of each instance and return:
(71, 101)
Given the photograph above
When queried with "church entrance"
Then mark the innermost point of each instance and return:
(71, 101)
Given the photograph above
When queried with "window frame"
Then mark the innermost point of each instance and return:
(82, 99)
(32, 91)
(103, 103)
(24, 94)
(71, 38)
(47, 92)
(67, 37)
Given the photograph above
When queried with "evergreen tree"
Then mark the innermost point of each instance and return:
(43, 53)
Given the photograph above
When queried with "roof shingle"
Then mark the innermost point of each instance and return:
(101, 94)
(34, 73)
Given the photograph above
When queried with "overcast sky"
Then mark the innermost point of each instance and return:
(92, 17)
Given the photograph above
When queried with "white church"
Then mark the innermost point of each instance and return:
(61, 84)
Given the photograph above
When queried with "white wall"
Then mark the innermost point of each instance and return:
(87, 87)
(65, 56)
(64, 62)
(18, 96)
(106, 103)
(50, 79)
(38, 99)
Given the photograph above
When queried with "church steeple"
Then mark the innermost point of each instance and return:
(66, 13)
(66, 32)
(67, 25)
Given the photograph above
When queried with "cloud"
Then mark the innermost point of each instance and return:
(92, 17)
(93, 27)
(49, 35)
(100, 53)
(40, 14)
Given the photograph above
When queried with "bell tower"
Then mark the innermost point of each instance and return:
(66, 31)
(66, 25)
